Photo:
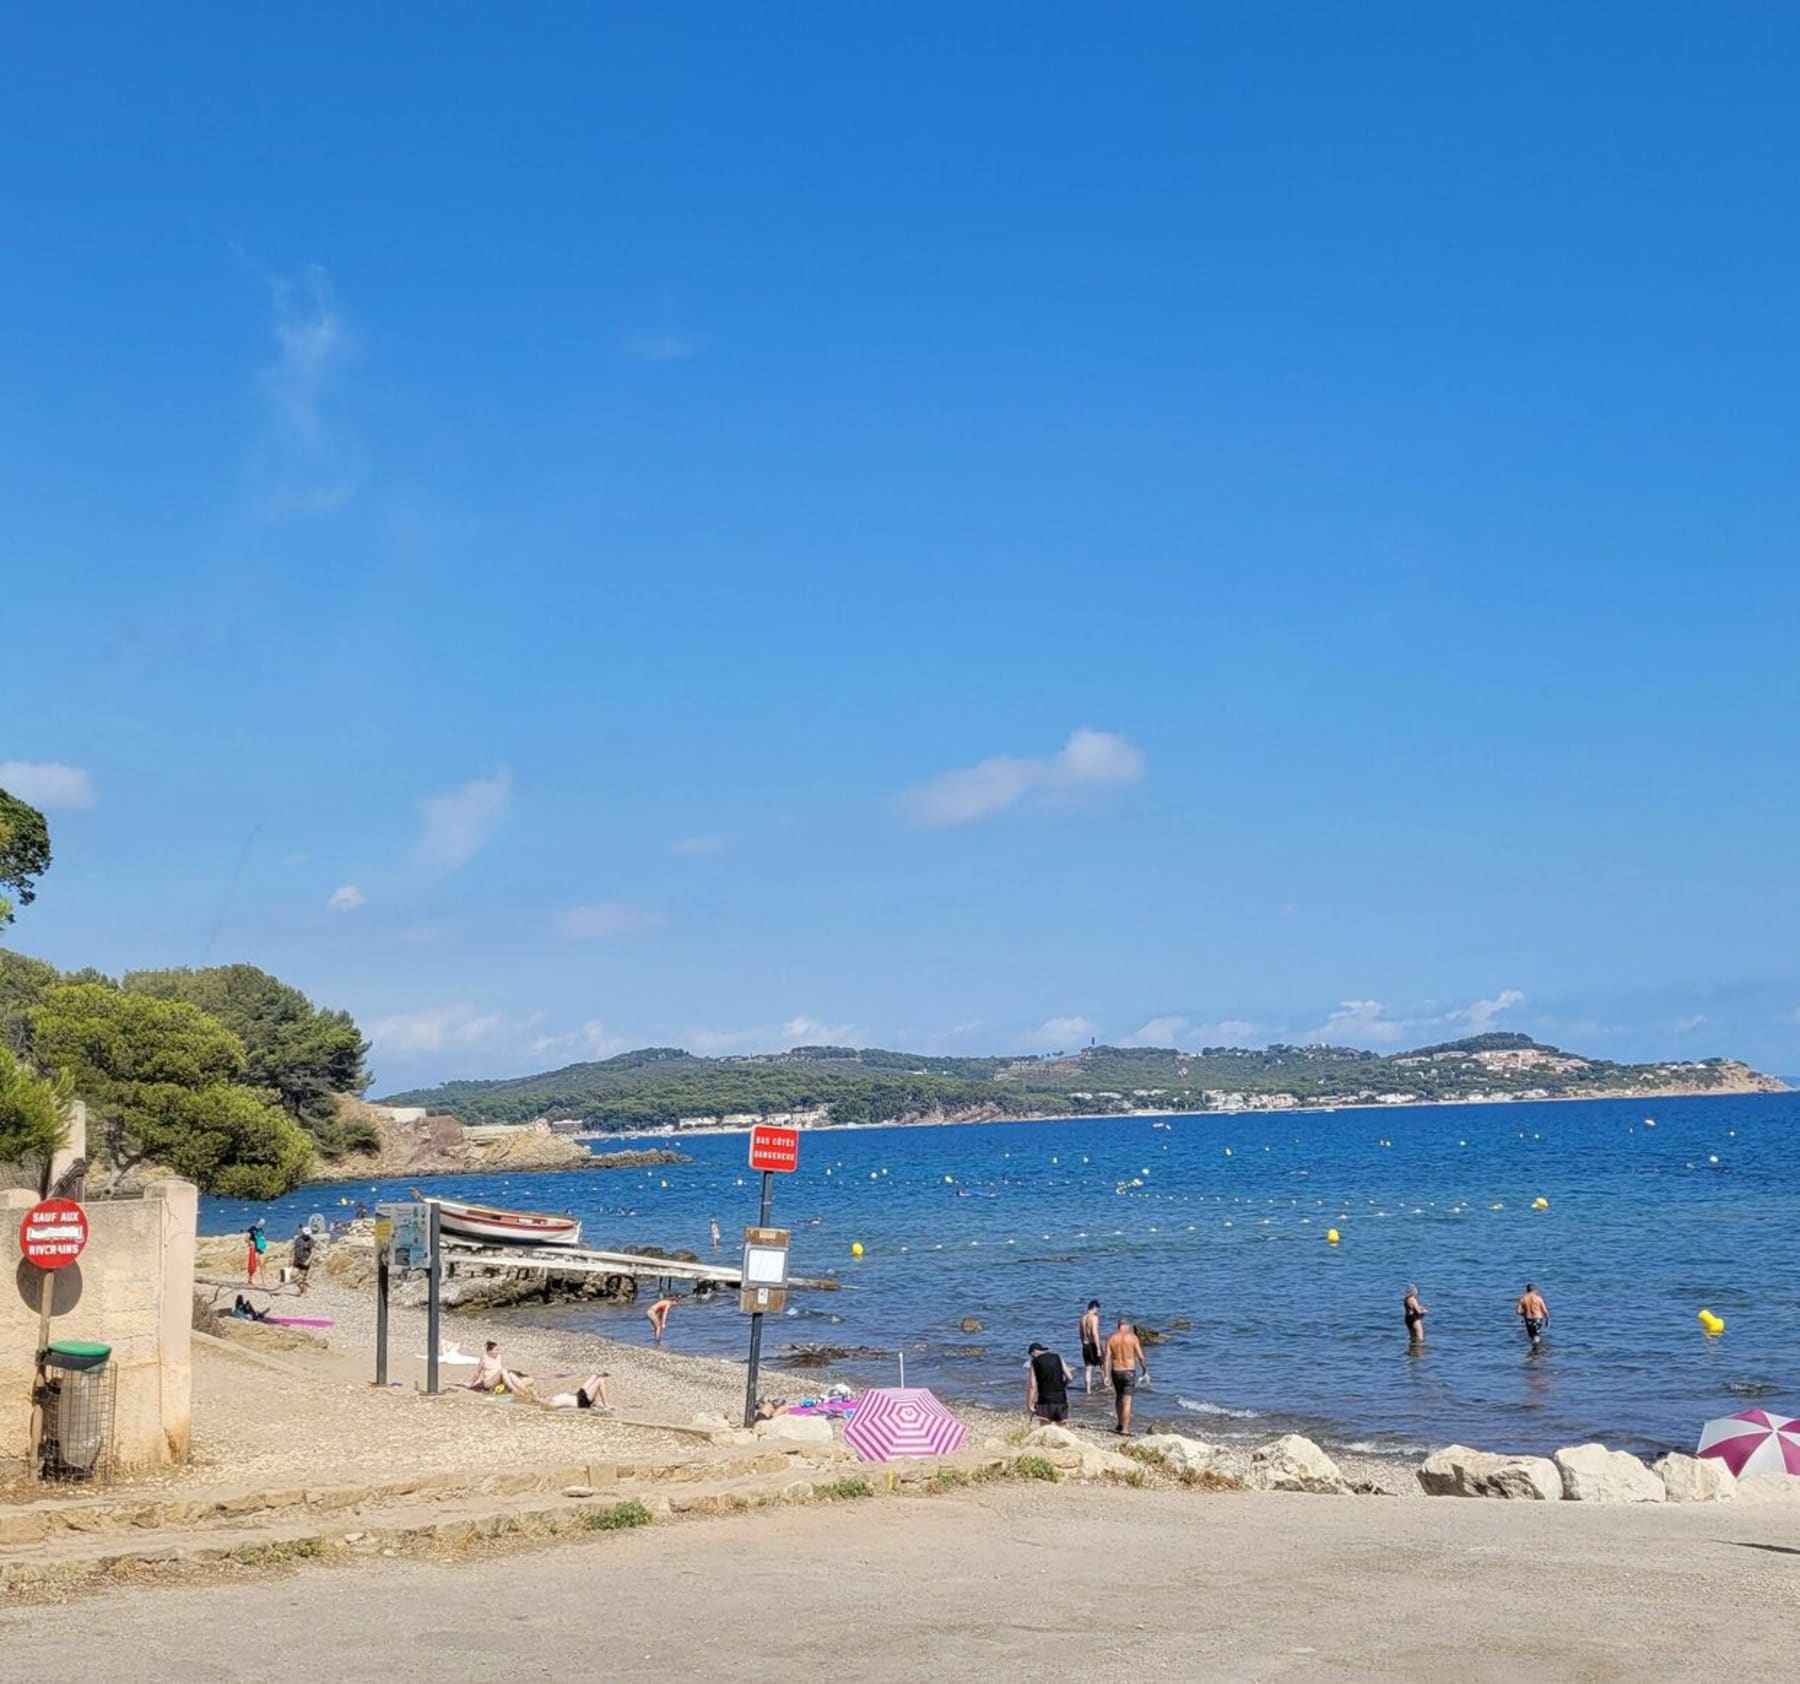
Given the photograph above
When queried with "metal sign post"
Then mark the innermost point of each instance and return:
(773, 1151)
(432, 1306)
(52, 1235)
(406, 1237)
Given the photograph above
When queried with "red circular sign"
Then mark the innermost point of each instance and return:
(53, 1233)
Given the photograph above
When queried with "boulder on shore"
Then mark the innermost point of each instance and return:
(1293, 1463)
(1695, 1479)
(1174, 1450)
(1593, 1474)
(1053, 1438)
(1457, 1471)
(796, 1429)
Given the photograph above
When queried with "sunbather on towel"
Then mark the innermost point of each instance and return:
(591, 1394)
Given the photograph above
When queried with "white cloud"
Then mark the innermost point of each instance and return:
(593, 1040)
(660, 347)
(309, 467)
(1687, 1025)
(1059, 1034)
(347, 898)
(1088, 761)
(696, 847)
(607, 919)
(1480, 1016)
(435, 1029)
(797, 1031)
(459, 823)
(46, 784)
(1188, 1036)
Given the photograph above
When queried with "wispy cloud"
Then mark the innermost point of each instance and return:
(1687, 1025)
(800, 1030)
(1188, 1036)
(46, 784)
(459, 823)
(346, 897)
(1059, 1034)
(308, 465)
(661, 347)
(433, 1029)
(697, 847)
(608, 919)
(592, 1040)
(1368, 1023)
(1088, 762)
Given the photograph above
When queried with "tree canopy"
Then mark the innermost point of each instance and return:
(24, 854)
(165, 1081)
(33, 1114)
(305, 1056)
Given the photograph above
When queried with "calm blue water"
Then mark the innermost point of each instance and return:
(1645, 1225)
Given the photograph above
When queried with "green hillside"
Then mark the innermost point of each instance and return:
(657, 1086)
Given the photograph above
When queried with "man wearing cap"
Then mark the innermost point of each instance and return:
(1047, 1380)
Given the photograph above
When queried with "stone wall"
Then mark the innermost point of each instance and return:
(132, 1289)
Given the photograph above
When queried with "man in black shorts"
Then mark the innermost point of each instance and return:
(1047, 1380)
(1125, 1357)
(1091, 1355)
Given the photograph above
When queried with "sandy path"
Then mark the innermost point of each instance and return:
(1017, 1583)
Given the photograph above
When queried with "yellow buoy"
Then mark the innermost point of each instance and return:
(1331, 1236)
(1540, 1204)
(948, 1179)
(1710, 1322)
(856, 1248)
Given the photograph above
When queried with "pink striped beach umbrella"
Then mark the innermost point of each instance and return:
(1754, 1442)
(895, 1421)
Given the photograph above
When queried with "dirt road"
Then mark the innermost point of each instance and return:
(1013, 1583)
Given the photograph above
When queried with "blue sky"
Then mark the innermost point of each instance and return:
(958, 527)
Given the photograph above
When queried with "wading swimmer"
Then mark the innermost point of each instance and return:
(1091, 1355)
(1415, 1313)
(1535, 1314)
(658, 1315)
(1124, 1358)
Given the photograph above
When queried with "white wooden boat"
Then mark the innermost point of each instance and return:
(489, 1222)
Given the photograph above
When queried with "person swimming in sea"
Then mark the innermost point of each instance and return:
(1092, 1355)
(1415, 1313)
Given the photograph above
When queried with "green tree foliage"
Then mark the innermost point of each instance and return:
(306, 1056)
(23, 983)
(24, 854)
(33, 1114)
(164, 1080)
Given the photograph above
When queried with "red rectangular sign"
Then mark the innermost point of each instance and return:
(773, 1148)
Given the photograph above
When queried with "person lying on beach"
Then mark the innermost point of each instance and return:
(658, 1315)
(1091, 1355)
(1415, 1313)
(492, 1375)
(1534, 1312)
(590, 1394)
(1124, 1358)
(1047, 1380)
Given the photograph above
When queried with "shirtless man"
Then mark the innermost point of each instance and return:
(1535, 1314)
(1124, 1358)
(658, 1315)
(1091, 1355)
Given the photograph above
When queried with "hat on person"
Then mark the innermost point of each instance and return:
(1032, 1349)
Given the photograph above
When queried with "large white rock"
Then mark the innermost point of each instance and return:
(1053, 1438)
(1696, 1479)
(797, 1429)
(1768, 1488)
(1175, 1450)
(1101, 1464)
(1293, 1463)
(1593, 1474)
(1457, 1471)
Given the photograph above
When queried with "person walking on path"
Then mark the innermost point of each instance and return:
(1047, 1380)
(1415, 1313)
(1535, 1314)
(658, 1315)
(303, 1256)
(1092, 1356)
(256, 1242)
(1124, 1359)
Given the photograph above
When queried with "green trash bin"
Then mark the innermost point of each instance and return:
(78, 1410)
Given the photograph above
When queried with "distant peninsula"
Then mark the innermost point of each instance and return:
(665, 1087)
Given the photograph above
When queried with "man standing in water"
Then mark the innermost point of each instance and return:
(1091, 1357)
(658, 1316)
(1124, 1357)
(1047, 1380)
(1535, 1314)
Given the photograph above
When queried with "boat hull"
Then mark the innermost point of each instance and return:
(511, 1227)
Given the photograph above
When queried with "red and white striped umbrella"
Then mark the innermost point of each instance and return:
(1754, 1442)
(895, 1421)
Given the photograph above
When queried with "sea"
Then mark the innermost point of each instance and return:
(1213, 1230)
